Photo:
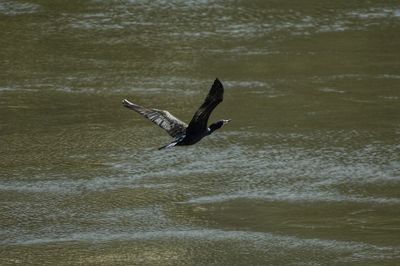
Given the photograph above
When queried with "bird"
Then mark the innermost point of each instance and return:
(183, 133)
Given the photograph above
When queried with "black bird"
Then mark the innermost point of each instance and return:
(182, 133)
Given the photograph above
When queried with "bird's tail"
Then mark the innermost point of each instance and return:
(172, 144)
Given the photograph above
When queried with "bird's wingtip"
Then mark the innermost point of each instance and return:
(217, 82)
(127, 103)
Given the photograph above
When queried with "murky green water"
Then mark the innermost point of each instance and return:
(307, 172)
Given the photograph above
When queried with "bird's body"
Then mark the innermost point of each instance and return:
(182, 133)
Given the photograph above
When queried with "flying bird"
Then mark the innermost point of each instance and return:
(182, 133)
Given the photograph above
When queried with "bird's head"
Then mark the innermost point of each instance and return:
(218, 124)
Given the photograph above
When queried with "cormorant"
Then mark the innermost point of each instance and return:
(182, 133)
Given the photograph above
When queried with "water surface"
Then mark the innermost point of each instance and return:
(307, 172)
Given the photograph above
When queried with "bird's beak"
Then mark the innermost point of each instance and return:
(227, 121)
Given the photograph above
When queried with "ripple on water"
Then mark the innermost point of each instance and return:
(229, 22)
(272, 172)
(229, 170)
(256, 240)
(13, 8)
(376, 13)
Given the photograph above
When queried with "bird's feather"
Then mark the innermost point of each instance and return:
(162, 118)
(200, 118)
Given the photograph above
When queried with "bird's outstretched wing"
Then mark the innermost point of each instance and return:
(163, 119)
(200, 118)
